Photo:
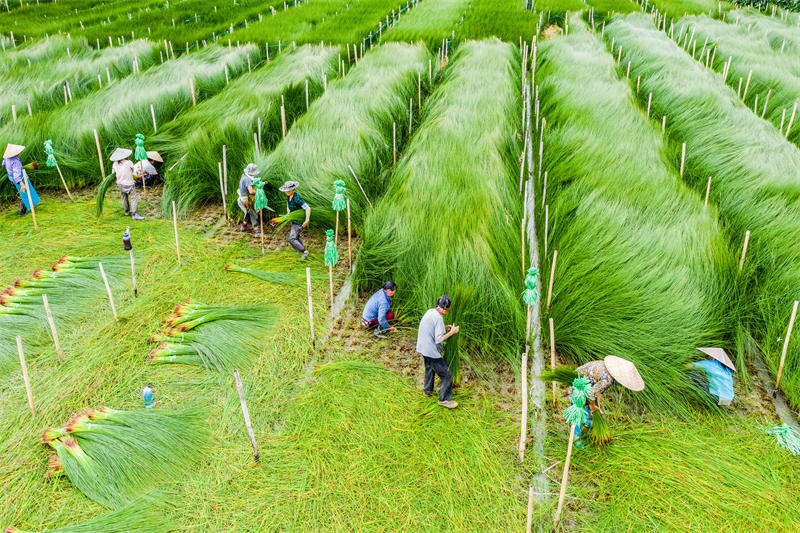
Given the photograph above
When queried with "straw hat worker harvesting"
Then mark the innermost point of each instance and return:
(376, 312)
(147, 168)
(123, 170)
(714, 375)
(14, 169)
(430, 339)
(246, 199)
(294, 203)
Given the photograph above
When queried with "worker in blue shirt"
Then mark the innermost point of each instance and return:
(293, 203)
(718, 370)
(377, 313)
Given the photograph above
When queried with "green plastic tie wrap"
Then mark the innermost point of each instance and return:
(581, 387)
(51, 158)
(786, 437)
(575, 415)
(261, 196)
(331, 253)
(140, 154)
(531, 294)
(339, 203)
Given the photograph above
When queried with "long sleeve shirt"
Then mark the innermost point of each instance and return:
(431, 334)
(597, 373)
(377, 307)
(124, 172)
(14, 168)
(720, 379)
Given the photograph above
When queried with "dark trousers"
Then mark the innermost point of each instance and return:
(294, 237)
(439, 367)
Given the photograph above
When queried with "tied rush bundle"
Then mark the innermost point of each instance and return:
(114, 457)
(215, 337)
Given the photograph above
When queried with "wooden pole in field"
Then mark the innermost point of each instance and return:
(349, 240)
(99, 154)
(708, 190)
(108, 291)
(785, 344)
(310, 308)
(791, 120)
(191, 87)
(683, 157)
(330, 281)
(14, 113)
(153, 115)
(546, 222)
(359, 185)
(28, 102)
(553, 355)
(283, 120)
(747, 85)
(529, 522)
(52, 324)
(64, 183)
(261, 224)
(25, 375)
(744, 250)
(394, 144)
(524, 419)
(564, 478)
(175, 226)
(222, 191)
(550, 287)
(246, 413)
(649, 103)
(30, 200)
(336, 231)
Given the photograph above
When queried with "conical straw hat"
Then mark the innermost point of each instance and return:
(624, 372)
(12, 150)
(120, 154)
(155, 156)
(720, 355)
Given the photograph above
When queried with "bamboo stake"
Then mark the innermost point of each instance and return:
(410, 114)
(283, 120)
(529, 522)
(14, 113)
(261, 224)
(524, 420)
(649, 102)
(394, 144)
(744, 250)
(246, 413)
(553, 355)
(747, 85)
(25, 375)
(564, 478)
(28, 102)
(683, 157)
(63, 182)
(330, 280)
(336, 231)
(785, 345)
(259, 131)
(359, 185)
(546, 220)
(550, 287)
(175, 226)
(663, 124)
(30, 200)
(708, 190)
(222, 191)
(108, 291)
(791, 120)
(191, 87)
(99, 154)
(419, 90)
(153, 114)
(53, 328)
(310, 308)
(349, 240)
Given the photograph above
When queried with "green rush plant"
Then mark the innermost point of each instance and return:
(358, 20)
(215, 337)
(195, 139)
(292, 24)
(752, 169)
(44, 82)
(780, 34)
(429, 22)
(642, 271)
(284, 278)
(449, 222)
(144, 515)
(35, 52)
(114, 457)
(774, 85)
(121, 111)
(349, 126)
(505, 19)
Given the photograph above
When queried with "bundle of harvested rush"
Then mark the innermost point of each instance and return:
(285, 278)
(473, 255)
(254, 103)
(114, 457)
(347, 133)
(215, 337)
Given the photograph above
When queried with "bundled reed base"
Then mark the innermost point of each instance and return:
(642, 271)
(450, 220)
(349, 126)
(754, 186)
(215, 337)
(114, 457)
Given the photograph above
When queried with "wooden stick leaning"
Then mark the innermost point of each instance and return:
(564, 478)
(349, 240)
(108, 291)
(744, 250)
(25, 375)
(63, 182)
(550, 284)
(786, 345)
(246, 413)
(529, 521)
(330, 281)
(359, 185)
(30, 200)
(175, 226)
(52, 324)
(261, 224)
(99, 154)
(310, 307)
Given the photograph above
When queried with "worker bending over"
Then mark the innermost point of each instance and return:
(602, 375)
(123, 170)
(714, 375)
(430, 339)
(293, 203)
(15, 171)
(247, 198)
(377, 313)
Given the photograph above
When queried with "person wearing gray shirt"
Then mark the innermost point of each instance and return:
(430, 339)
